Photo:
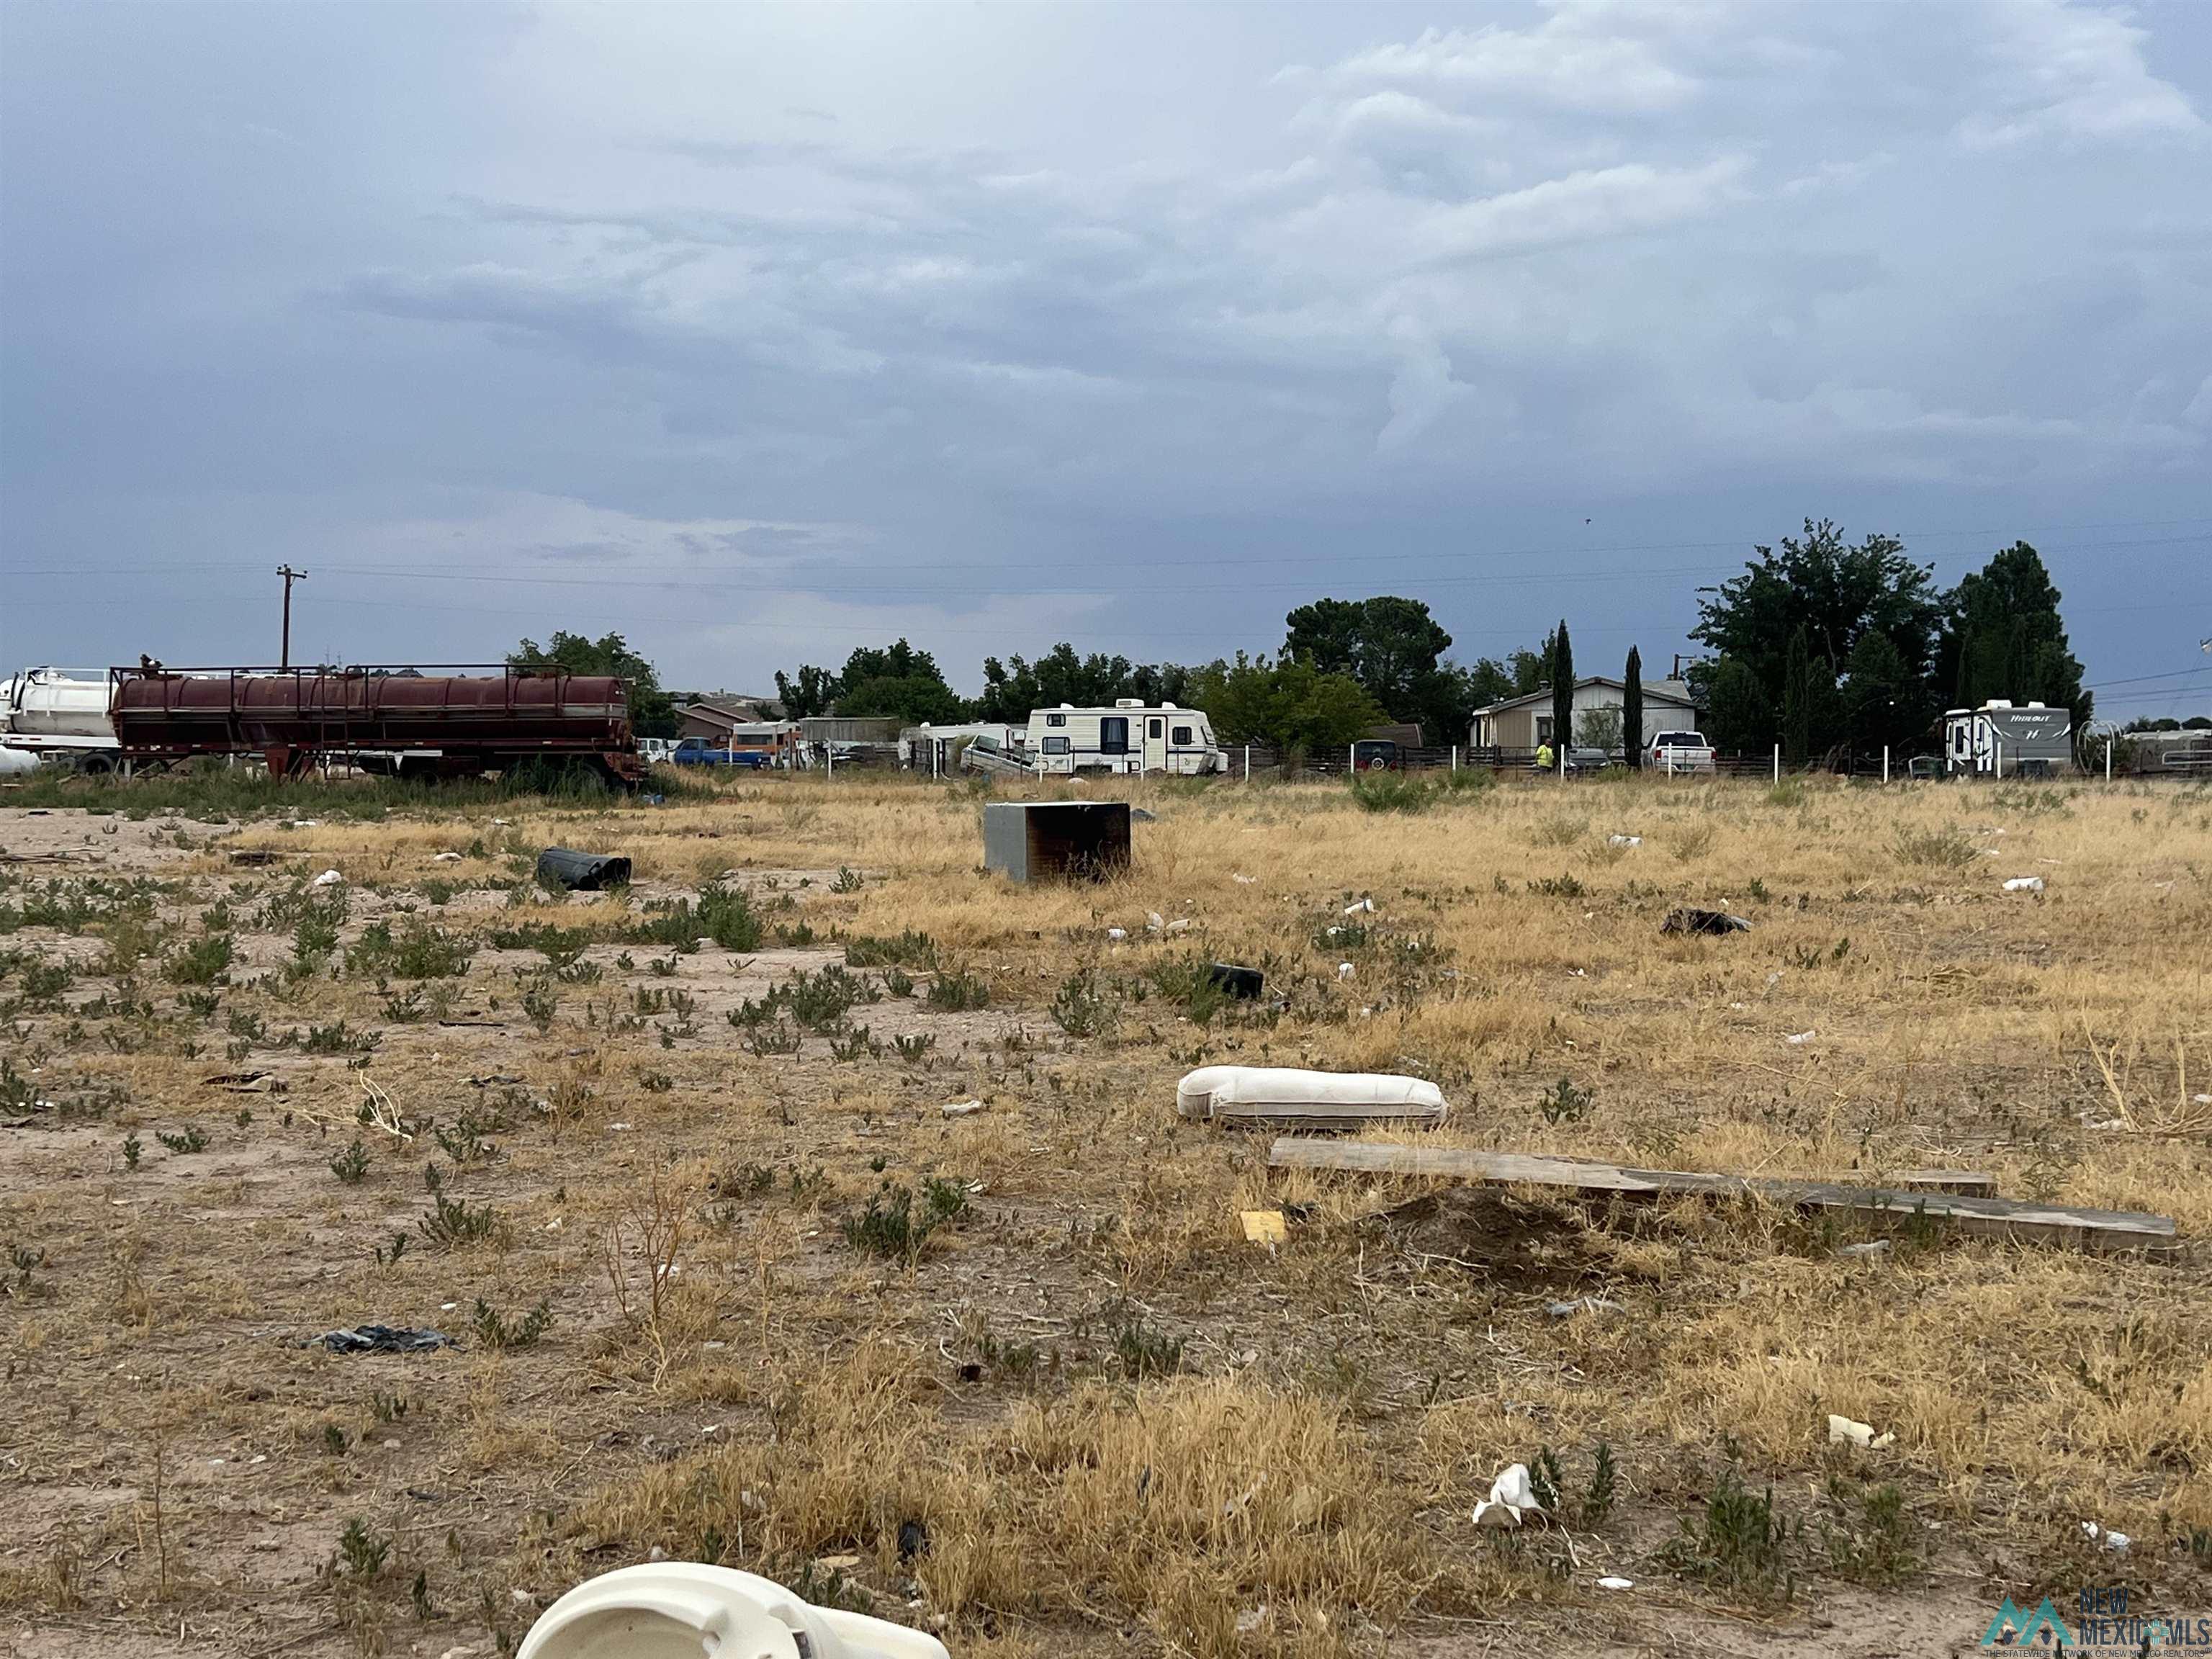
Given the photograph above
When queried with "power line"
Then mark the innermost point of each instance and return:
(1270, 560)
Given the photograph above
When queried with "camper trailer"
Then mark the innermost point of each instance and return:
(1127, 737)
(2001, 740)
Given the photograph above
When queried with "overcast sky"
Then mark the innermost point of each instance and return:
(761, 333)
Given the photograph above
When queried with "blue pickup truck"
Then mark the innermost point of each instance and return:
(700, 751)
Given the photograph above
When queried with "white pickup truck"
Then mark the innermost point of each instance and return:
(1682, 751)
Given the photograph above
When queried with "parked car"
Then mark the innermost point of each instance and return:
(1377, 755)
(1588, 758)
(704, 751)
(1683, 751)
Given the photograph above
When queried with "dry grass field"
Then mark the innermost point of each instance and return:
(672, 1167)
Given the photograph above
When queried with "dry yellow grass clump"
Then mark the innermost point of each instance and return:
(672, 1165)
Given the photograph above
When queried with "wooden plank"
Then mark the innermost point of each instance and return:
(2000, 1218)
(1971, 1182)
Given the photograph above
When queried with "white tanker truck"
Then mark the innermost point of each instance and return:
(47, 714)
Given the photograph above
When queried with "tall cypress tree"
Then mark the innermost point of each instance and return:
(1631, 708)
(1563, 690)
(1797, 699)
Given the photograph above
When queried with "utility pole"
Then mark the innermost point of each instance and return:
(290, 575)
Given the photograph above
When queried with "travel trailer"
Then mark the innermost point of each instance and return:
(1127, 737)
(2001, 739)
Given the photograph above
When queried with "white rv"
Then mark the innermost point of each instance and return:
(2002, 739)
(1127, 737)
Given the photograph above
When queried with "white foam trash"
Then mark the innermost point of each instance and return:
(2024, 884)
(685, 1610)
(1512, 1495)
(1282, 1097)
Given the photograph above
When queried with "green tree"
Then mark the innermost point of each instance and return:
(652, 710)
(810, 694)
(1739, 714)
(1600, 728)
(1631, 706)
(1013, 687)
(1833, 592)
(2004, 637)
(1288, 704)
(1392, 646)
(1562, 687)
(1883, 703)
(1797, 699)
(894, 680)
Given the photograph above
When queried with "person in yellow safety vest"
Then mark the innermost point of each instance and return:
(1543, 757)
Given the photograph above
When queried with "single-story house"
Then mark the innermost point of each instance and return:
(714, 719)
(1524, 722)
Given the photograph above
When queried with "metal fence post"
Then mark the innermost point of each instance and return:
(828, 762)
(1884, 762)
(2108, 760)
(1248, 762)
(1777, 763)
(1352, 758)
(1454, 759)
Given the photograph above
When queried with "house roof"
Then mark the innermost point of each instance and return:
(732, 710)
(1654, 691)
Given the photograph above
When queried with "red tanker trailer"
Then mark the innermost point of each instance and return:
(398, 719)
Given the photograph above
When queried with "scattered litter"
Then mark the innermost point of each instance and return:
(1842, 1430)
(1117, 934)
(501, 823)
(328, 879)
(1800, 1038)
(254, 855)
(1614, 1582)
(1264, 1226)
(446, 858)
(2024, 884)
(1152, 922)
(1251, 1618)
(1873, 1248)
(1344, 970)
(490, 1078)
(304, 823)
(1624, 841)
(1581, 1304)
(1689, 919)
(581, 873)
(961, 1108)
(246, 1083)
(381, 1338)
(1510, 1498)
(1180, 924)
(1282, 1096)
(2111, 1541)
(617, 1129)
(1365, 906)
(1243, 881)
(1138, 815)
(1243, 983)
